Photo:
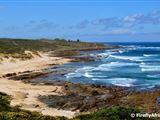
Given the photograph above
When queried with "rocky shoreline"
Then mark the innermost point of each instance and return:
(77, 97)
(82, 98)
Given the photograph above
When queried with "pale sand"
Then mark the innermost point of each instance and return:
(25, 95)
(37, 63)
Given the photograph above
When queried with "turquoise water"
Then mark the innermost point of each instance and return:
(136, 65)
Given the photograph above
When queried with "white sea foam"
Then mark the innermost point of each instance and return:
(107, 53)
(127, 82)
(85, 71)
(72, 75)
(142, 63)
(149, 66)
(120, 51)
(149, 55)
(131, 47)
(151, 47)
(150, 69)
(80, 72)
(86, 68)
(117, 60)
(145, 67)
(154, 76)
(102, 67)
(130, 58)
(93, 55)
(75, 75)
(104, 54)
(98, 79)
(111, 65)
(86, 74)
(100, 76)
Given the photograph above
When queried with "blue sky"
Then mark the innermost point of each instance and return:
(91, 20)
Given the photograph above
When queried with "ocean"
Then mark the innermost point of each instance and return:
(135, 65)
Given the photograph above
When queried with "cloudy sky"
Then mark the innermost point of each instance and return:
(91, 20)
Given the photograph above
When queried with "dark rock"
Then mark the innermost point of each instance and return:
(27, 76)
(84, 97)
(95, 92)
(9, 75)
(36, 106)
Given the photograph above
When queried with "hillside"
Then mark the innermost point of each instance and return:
(11, 46)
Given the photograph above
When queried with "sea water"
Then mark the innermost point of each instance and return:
(134, 65)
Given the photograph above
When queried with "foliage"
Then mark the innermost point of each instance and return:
(4, 102)
(14, 113)
(11, 46)
(113, 113)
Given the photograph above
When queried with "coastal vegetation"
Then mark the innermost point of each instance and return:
(16, 48)
(14, 113)
(94, 102)
(11, 46)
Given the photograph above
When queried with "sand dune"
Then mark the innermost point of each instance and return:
(25, 95)
(37, 63)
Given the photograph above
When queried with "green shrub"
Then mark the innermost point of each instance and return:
(14, 113)
(4, 102)
(113, 113)
(11, 46)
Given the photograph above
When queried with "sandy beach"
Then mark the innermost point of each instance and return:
(25, 95)
(11, 65)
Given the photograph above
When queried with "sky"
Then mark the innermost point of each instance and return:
(88, 20)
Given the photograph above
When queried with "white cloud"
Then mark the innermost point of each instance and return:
(132, 18)
(120, 31)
